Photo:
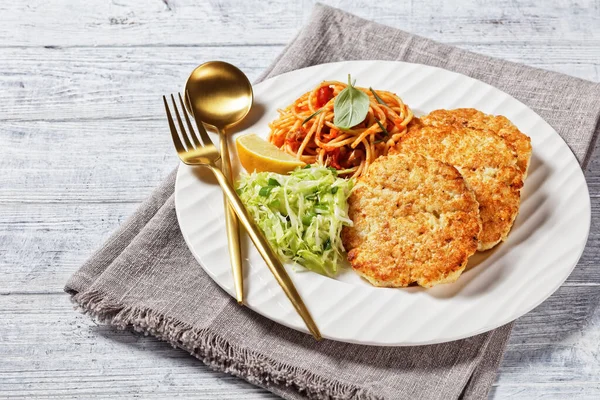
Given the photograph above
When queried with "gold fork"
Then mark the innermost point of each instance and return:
(193, 151)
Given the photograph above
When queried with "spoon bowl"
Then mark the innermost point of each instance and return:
(220, 93)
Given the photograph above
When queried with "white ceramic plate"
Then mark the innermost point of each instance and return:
(544, 246)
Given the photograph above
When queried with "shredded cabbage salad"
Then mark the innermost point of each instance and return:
(301, 214)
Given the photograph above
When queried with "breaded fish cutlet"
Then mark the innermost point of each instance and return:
(499, 124)
(415, 220)
(489, 164)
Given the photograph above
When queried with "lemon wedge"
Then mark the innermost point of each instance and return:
(258, 155)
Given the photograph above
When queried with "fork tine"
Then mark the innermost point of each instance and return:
(183, 133)
(189, 124)
(203, 134)
(176, 139)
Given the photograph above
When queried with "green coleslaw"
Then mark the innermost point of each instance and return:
(301, 214)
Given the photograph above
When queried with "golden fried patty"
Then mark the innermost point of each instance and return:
(499, 124)
(415, 220)
(488, 163)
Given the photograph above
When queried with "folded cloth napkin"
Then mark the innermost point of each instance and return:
(145, 278)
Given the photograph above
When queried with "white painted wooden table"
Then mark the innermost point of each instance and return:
(80, 84)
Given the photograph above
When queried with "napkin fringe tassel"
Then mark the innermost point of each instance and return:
(214, 350)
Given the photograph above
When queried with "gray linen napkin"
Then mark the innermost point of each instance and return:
(145, 278)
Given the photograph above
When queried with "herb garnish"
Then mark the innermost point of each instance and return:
(311, 116)
(379, 99)
(385, 132)
(350, 107)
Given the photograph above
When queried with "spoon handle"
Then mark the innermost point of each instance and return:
(265, 250)
(232, 225)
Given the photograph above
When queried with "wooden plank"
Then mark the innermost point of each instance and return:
(150, 23)
(86, 161)
(126, 83)
(227, 22)
(41, 246)
(106, 83)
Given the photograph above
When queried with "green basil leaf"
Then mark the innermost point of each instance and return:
(350, 107)
(334, 190)
(319, 111)
(379, 99)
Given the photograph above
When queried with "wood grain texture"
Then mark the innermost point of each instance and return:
(112, 83)
(80, 84)
(274, 22)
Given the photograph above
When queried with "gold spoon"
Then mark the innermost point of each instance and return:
(221, 96)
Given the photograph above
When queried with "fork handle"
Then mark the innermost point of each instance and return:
(273, 262)
(231, 225)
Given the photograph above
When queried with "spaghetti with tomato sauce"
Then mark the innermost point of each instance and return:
(306, 129)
